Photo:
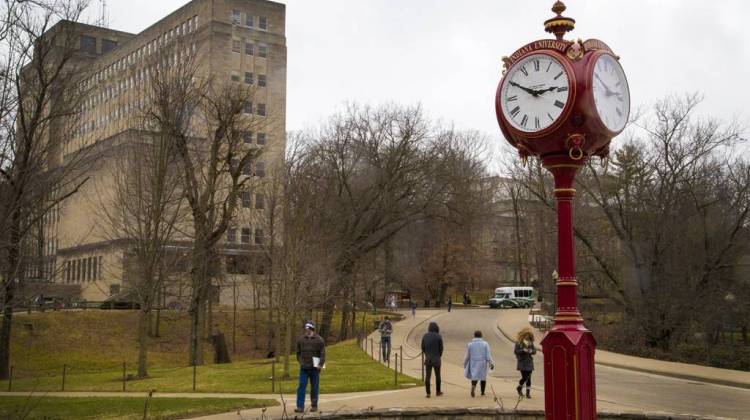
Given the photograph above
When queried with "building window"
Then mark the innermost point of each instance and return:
(94, 273)
(88, 44)
(262, 22)
(249, 48)
(263, 51)
(245, 237)
(246, 199)
(108, 45)
(247, 137)
(236, 45)
(258, 236)
(260, 169)
(246, 170)
(235, 76)
(249, 78)
(232, 235)
(249, 21)
(248, 108)
(260, 201)
(262, 80)
(101, 267)
(261, 138)
(236, 17)
(261, 110)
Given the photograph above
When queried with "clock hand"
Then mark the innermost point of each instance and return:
(529, 91)
(608, 92)
(549, 89)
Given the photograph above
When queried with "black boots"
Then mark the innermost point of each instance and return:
(473, 390)
(528, 392)
(519, 388)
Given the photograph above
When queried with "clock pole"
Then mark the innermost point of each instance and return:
(583, 127)
(569, 378)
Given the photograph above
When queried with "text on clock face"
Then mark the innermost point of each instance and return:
(535, 92)
(611, 93)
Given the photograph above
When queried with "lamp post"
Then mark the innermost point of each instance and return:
(562, 102)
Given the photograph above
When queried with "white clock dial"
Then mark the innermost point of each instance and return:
(534, 93)
(611, 93)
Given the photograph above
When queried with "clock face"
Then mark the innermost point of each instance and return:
(534, 93)
(611, 93)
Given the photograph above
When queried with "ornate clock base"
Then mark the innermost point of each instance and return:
(569, 384)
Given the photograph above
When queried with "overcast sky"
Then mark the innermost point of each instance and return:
(445, 54)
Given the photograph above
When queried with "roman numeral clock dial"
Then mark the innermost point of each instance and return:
(611, 93)
(534, 93)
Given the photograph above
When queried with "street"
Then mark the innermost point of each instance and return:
(629, 390)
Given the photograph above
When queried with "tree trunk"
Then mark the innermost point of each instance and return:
(288, 343)
(9, 283)
(144, 320)
(6, 328)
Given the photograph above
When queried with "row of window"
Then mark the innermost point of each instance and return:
(249, 48)
(260, 169)
(260, 138)
(246, 197)
(135, 78)
(83, 269)
(184, 28)
(249, 79)
(242, 264)
(260, 109)
(246, 236)
(249, 21)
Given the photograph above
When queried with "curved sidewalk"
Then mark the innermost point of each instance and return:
(515, 319)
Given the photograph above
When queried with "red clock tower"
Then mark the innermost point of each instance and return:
(562, 101)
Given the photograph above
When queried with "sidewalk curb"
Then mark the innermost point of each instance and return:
(677, 375)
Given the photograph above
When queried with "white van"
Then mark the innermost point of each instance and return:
(513, 297)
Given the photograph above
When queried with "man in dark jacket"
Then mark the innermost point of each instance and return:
(311, 355)
(432, 347)
(386, 329)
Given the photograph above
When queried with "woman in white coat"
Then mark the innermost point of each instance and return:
(478, 359)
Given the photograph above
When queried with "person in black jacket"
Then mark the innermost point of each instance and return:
(524, 351)
(311, 355)
(432, 347)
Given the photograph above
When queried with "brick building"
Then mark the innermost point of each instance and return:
(238, 41)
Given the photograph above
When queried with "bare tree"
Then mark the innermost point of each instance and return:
(40, 164)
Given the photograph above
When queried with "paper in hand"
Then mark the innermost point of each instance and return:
(316, 361)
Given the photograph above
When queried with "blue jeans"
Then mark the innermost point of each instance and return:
(313, 374)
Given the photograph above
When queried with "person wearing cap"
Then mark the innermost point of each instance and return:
(311, 355)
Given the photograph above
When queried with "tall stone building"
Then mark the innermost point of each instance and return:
(237, 41)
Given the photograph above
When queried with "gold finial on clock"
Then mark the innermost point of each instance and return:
(559, 24)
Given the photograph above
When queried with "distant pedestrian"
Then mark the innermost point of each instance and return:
(478, 359)
(40, 302)
(525, 351)
(413, 309)
(386, 328)
(311, 355)
(450, 304)
(432, 347)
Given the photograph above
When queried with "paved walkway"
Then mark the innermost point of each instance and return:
(501, 382)
(515, 319)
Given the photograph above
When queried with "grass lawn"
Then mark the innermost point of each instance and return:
(84, 408)
(104, 339)
(348, 369)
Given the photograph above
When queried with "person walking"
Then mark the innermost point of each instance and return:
(413, 309)
(311, 355)
(450, 304)
(525, 351)
(432, 347)
(386, 328)
(478, 359)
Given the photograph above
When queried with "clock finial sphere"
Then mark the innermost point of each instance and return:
(559, 24)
